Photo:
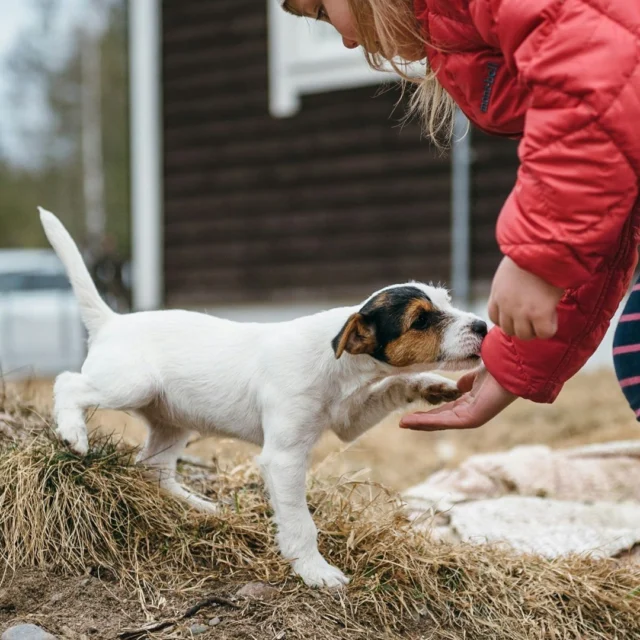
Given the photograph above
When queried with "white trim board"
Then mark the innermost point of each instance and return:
(146, 153)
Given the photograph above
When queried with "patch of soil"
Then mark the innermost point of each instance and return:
(70, 607)
(87, 608)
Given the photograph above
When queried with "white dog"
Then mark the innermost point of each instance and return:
(278, 385)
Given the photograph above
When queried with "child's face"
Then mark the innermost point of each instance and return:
(335, 12)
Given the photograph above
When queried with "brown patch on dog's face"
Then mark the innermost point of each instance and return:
(414, 347)
(380, 301)
(421, 335)
(415, 308)
(399, 326)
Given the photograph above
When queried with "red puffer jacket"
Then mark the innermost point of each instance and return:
(564, 75)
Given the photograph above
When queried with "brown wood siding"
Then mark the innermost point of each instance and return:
(334, 202)
(495, 164)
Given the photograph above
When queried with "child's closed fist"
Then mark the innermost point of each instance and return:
(523, 304)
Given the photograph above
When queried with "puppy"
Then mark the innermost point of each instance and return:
(277, 385)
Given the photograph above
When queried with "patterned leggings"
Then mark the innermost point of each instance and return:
(626, 350)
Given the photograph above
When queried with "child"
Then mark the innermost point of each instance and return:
(564, 77)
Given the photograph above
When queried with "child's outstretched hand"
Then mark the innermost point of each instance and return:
(523, 304)
(483, 399)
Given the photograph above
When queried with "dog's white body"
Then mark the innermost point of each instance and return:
(277, 385)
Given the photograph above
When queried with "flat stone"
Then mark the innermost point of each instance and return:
(199, 629)
(214, 622)
(26, 632)
(258, 591)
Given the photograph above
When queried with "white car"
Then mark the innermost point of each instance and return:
(41, 332)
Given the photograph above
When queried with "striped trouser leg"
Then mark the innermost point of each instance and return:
(626, 350)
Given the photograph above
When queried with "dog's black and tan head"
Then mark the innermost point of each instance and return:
(412, 324)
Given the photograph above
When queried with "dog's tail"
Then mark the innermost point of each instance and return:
(93, 309)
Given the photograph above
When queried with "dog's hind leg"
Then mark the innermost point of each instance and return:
(98, 387)
(73, 394)
(160, 454)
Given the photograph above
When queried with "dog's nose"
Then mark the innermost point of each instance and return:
(479, 327)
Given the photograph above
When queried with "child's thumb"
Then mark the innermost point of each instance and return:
(466, 382)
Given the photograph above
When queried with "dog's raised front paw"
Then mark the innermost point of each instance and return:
(434, 390)
(438, 393)
(317, 572)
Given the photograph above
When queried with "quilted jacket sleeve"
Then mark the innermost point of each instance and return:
(580, 154)
(568, 217)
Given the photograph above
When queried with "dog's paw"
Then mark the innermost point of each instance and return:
(439, 393)
(74, 437)
(168, 483)
(434, 391)
(203, 505)
(317, 572)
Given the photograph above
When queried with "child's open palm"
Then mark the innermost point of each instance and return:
(483, 399)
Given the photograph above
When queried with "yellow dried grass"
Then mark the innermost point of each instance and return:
(67, 514)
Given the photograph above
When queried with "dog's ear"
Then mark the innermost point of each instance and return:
(357, 336)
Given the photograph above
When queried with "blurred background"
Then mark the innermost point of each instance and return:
(64, 144)
(221, 155)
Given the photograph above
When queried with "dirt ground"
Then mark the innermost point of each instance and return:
(88, 608)
(71, 606)
(590, 409)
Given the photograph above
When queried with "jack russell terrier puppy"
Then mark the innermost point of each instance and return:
(278, 385)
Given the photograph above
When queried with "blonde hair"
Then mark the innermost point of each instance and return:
(390, 29)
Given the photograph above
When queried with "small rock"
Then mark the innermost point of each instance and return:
(85, 582)
(26, 632)
(198, 629)
(56, 597)
(258, 590)
(214, 622)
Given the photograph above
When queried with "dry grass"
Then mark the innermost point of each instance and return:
(590, 409)
(66, 514)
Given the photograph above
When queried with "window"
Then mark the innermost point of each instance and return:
(308, 57)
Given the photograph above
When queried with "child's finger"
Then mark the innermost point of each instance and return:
(506, 324)
(454, 415)
(466, 382)
(494, 312)
(546, 327)
(524, 329)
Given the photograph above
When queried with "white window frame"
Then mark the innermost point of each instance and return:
(307, 57)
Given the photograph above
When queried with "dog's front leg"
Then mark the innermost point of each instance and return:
(396, 392)
(393, 393)
(283, 462)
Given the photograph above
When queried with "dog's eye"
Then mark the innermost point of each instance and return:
(423, 321)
